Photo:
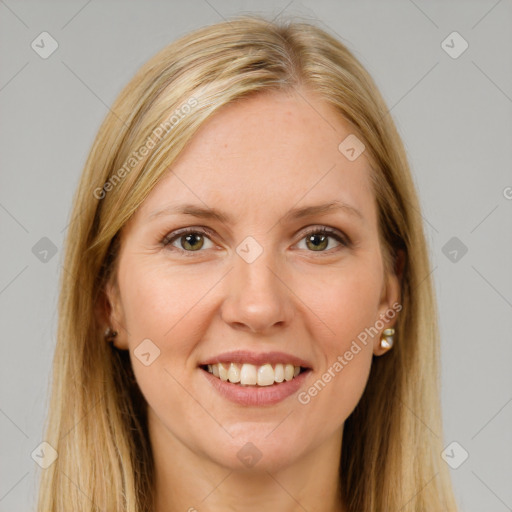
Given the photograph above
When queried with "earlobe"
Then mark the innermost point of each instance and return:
(390, 306)
(113, 317)
(385, 342)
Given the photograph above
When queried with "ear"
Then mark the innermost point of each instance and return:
(390, 301)
(110, 313)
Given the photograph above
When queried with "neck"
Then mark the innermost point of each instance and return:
(189, 481)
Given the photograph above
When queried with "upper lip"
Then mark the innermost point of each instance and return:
(257, 359)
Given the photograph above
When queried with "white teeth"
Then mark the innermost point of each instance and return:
(265, 375)
(234, 373)
(288, 372)
(250, 375)
(279, 373)
(223, 373)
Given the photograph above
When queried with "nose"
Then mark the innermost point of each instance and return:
(258, 298)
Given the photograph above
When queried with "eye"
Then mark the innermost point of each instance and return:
(317, 239)
(189, 239)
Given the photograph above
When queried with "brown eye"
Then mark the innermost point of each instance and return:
(317, 242)
(188, 240)
(318, 239)
(192, 242)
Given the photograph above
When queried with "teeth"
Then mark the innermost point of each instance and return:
(223, 373)
(288, 372)
(250, 375)
(279, 373)
(234, 373)
(265, 375)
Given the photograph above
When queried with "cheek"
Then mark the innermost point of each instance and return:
(346, 301)
(164, 305)
(168, 306)
(347, 304)
(346, 352)
(331, 397)
(160, 301)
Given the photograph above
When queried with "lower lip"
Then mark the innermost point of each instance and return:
(256, 395)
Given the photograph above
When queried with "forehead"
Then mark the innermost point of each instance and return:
(265, 153)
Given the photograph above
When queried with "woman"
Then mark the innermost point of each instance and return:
(246, 317)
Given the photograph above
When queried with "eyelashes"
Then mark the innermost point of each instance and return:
(188, 234)
(326, 233)
(192, 240)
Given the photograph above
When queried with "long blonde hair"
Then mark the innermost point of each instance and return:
(97, 416)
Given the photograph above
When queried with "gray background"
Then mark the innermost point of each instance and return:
(454, 115)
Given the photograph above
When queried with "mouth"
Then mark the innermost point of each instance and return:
(247, 374)
(252, 379)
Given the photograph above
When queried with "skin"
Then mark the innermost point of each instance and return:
(255, 160)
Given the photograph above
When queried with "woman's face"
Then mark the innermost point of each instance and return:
(255, 282)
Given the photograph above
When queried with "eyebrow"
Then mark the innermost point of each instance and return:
(294, 213)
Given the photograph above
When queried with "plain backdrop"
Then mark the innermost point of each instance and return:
(453, 110)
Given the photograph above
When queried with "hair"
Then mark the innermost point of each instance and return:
(97, 420)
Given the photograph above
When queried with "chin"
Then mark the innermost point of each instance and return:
(259, 449)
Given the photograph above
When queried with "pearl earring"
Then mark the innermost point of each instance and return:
(110, 334)
(386, 341)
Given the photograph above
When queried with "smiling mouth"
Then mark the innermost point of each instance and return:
(246, 374)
